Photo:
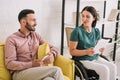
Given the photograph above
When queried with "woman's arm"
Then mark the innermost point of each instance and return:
(75, 52)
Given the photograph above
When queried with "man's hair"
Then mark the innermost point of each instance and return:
(24, 13)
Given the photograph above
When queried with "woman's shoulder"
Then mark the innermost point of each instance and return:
(96, 30)
(78, 28)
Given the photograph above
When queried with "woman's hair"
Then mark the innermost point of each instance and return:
(93, 11)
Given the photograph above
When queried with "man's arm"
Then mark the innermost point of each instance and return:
(54, 51)
(11, 57)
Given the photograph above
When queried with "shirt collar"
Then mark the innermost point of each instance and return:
(22, 35)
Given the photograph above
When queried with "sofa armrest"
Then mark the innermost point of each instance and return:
(66, 64)
(4, 72)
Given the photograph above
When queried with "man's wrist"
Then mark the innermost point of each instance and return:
(54, 53)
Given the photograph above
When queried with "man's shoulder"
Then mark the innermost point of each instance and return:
(12, 36)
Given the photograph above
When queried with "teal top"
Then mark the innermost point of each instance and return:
(85, 40)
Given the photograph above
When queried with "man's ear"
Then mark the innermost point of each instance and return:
(23, 21)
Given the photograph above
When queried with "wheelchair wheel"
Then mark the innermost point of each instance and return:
(84, 73)
(80, 71)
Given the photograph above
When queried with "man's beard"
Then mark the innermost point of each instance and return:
(30, 27)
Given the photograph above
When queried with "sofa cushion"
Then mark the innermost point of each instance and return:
(43, 51)
(66, 78)
(4, 73)
(66, 65)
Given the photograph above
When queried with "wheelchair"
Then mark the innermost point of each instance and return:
(85, 74)
(80, 70)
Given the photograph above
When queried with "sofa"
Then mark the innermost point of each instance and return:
(66, 64)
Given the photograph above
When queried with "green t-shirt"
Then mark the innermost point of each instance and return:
(85, 40)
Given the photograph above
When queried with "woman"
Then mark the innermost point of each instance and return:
(83, 39)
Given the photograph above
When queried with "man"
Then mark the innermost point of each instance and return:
(21, 52)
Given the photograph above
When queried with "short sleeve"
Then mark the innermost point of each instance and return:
(98, 34)
(74, 35)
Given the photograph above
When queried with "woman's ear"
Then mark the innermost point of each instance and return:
(93, 19)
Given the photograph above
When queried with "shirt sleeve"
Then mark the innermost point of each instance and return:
(11, 57)
(74, 35)
(54, 50)
(98, 34)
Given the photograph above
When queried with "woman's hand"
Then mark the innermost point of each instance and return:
(90, 52)
(101, 50)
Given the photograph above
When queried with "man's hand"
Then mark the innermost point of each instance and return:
(37, 63)
(55, 50)
(49, 59)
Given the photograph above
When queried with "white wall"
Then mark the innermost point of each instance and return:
(48, 14)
